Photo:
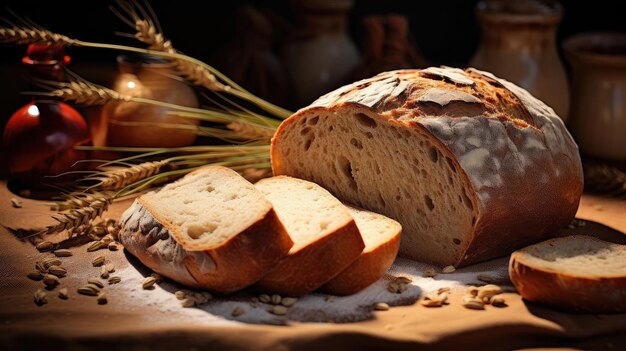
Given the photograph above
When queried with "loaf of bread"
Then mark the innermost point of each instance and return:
(326, 238)
(472, 166)
(575, 273)
(382, 241)
(212, 229)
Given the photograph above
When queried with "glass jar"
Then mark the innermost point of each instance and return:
(598, 120)
(142, 125)
(519, 44)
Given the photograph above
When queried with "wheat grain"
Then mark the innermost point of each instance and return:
(83, 93)
(251, 131)
(119, 178)
(78, 217)
(147, 33)
(26, 35)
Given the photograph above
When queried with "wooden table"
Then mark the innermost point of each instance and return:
(80, 323)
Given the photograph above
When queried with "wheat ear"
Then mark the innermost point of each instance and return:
(77, 200)
(79, 216)
(117, 179)
(29, 35)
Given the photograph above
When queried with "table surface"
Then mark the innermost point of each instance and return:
(143, 324)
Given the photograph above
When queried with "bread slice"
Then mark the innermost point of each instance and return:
(326, 238)
(212, 229)
(574, 273)
(472, 166)
(382, 242)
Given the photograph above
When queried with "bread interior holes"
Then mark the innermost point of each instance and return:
(433, 154)
(345, 167)
(365, 120)
(313, 121)
(195, 231)
(356, 143)
(429, 202)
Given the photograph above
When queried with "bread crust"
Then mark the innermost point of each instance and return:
(567, 292)
(534, 183)
(234, 265)
(309, 268)
(367, 269)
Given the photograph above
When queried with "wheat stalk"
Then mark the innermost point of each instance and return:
(120, 178)
(250, 131)
(78, 200)
(30, 35)
(79, 216)
(81, 92)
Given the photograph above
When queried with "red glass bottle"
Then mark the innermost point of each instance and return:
(39, 138)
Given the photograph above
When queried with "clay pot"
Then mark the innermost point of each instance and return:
(519, 44)
(142, 125)
(598, 108)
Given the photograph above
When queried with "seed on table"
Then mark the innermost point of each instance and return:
(114, 280)
(276, 299)
(113, 246)
(448, 269)
(157, 276)
(473, 303)
(96, 282)
(104, 273)
(489, 290)
(265, 298)
(237, 311)
(98, 261)
(289, 301)
(188, 303)
(16, 203)
(110, 268)
(96, 245)
(497, 301)
(180, 294)
(44, 246)
(402, 280)
(88, 290)
(279, 310)
(40, 267)
(51, 280)
(381, 306)
(148, 283)
(63, 294)
(40, 297)
(58, 271)
(429, 273)
(35, 276)
(62, 253)
(51, 261)
(102, 298)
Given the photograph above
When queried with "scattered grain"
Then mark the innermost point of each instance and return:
(16, 203)
(381, 306)
(58, 271)
(180, 294)
(87, 290)
(113, 246)
(102, 298)
(429, 273)
(40, 297)
(104, 273)
(35, 275)
(497, 301)
(265, 298)
(188, 303)
(96, 245)
(44, 246)
(98, 261)
(114, 280)
(237, 311)
(289, 301)
(448, 269)
(62, 253)
(50, 280)
(63, 294)
(96, 282)
(276, 299)
(473, 303)
(279, 310)
(148, 283)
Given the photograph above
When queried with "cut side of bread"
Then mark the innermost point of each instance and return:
(326, 238)
(382, 242)
(212, 229)
(574, 273)
(472, 166)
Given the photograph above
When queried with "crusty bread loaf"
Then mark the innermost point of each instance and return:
(326, 238)
(472, 166)
(212, 229)
(382, 242)
(575, 273)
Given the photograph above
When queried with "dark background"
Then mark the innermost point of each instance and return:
(445, 31)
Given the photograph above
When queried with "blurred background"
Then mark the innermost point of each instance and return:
(282, 51)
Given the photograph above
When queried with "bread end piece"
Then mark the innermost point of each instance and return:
(565, 289)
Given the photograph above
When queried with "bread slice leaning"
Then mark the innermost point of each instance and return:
(212, 229)
(326, 238)
(574, 273)
(382, 242)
